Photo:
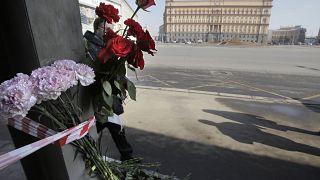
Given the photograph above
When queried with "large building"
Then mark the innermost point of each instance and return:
(319, 36)
(87, 12)
(217, 20)
(289, 35)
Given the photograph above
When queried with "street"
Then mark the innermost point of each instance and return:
(283, 72)
(228, 112)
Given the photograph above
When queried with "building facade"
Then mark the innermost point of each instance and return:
(289, 35)
(161, 36)
(318, 36)
(217, 20)
(88, 15)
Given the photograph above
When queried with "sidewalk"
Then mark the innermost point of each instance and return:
(215, 137)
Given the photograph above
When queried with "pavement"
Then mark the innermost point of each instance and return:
(220, 137)
(227, 113)
(15, 171)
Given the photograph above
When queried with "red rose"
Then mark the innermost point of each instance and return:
(139, 61)
(144, 4)
(135, 58)
(146, 43)
(109, 34)
(117, 46)
(135, 28)
(108, 12)
(104, 55)
(120, 46)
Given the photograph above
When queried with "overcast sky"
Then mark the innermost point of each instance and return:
(284, 13)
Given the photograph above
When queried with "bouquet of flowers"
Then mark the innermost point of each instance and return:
(119, 53)
(47, 91)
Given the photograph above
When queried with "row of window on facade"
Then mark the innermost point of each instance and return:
(211, 20)
(205, 38)
(199, 19)
(222, 35)
(217, 11)
(193, 28)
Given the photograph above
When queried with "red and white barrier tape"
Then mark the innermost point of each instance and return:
(63, 138)
(31, 127)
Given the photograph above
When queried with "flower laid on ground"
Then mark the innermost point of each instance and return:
(16, 97)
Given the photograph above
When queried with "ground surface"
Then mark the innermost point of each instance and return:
(223, 113)
(233, 136)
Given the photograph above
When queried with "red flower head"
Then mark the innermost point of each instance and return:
(108, 12)
(144, 4)
(146, 43)
(139, 59)
(109, 34)
(135, 28)
(135, 58)
(117, 46)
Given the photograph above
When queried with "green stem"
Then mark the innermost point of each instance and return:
(135, 12)
(118, 66)
(49, 115)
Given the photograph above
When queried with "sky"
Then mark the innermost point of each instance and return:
(284, 13)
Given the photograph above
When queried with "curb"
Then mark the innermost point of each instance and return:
(226, 95)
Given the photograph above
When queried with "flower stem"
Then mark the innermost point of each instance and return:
(135, 12)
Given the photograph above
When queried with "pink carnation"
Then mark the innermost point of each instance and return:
(85, 74)
(65, 64)
(16, 97)
(50, 81)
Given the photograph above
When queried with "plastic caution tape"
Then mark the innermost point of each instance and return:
(31, 127)
(63, 138)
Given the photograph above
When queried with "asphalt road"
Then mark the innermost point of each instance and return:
(273, 59)
(279, 72)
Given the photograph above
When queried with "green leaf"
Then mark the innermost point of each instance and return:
(131, 68)
(122, 70)
(131, 90)
(106, 111)
(107, 99)
(93, 168)
(117, 84)
(107, 88)
(134, 70)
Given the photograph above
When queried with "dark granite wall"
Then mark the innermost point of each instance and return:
(34, 34)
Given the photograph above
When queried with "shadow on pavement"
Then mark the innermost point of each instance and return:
(210, 162)
(250, 119)
(315, 107)
(248, 129)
